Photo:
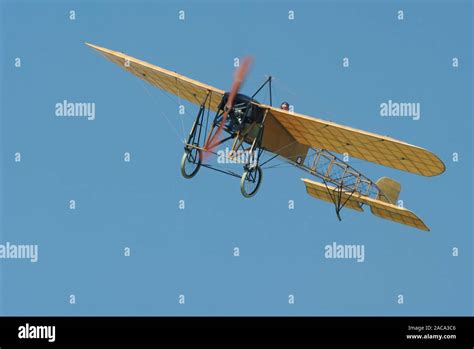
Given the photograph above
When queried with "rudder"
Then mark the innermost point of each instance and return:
(390, 188)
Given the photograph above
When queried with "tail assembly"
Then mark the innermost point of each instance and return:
(390, 188)
(384, 205)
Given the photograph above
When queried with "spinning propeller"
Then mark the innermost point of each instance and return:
(240, 74)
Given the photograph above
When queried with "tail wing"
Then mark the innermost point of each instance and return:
(390, 188)
(379, 206)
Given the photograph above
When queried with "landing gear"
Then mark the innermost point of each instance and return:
(250, 181)
(191, 162)
(192, 158)
(244, 125)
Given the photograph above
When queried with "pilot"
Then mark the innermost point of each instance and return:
(285, 106)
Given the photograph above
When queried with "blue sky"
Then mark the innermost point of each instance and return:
(190, 251)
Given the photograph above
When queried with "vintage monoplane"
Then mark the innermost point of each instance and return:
(305, 142)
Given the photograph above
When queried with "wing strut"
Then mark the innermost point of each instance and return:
(336, 196)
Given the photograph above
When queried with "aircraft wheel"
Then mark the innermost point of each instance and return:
(250, 181)
(191, 162)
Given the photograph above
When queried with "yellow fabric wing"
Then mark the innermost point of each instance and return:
(276, 138)
(179, 85)
(279, 141)
(302, 130)
(357, 143)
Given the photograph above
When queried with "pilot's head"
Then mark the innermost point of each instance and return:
(285, 106)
